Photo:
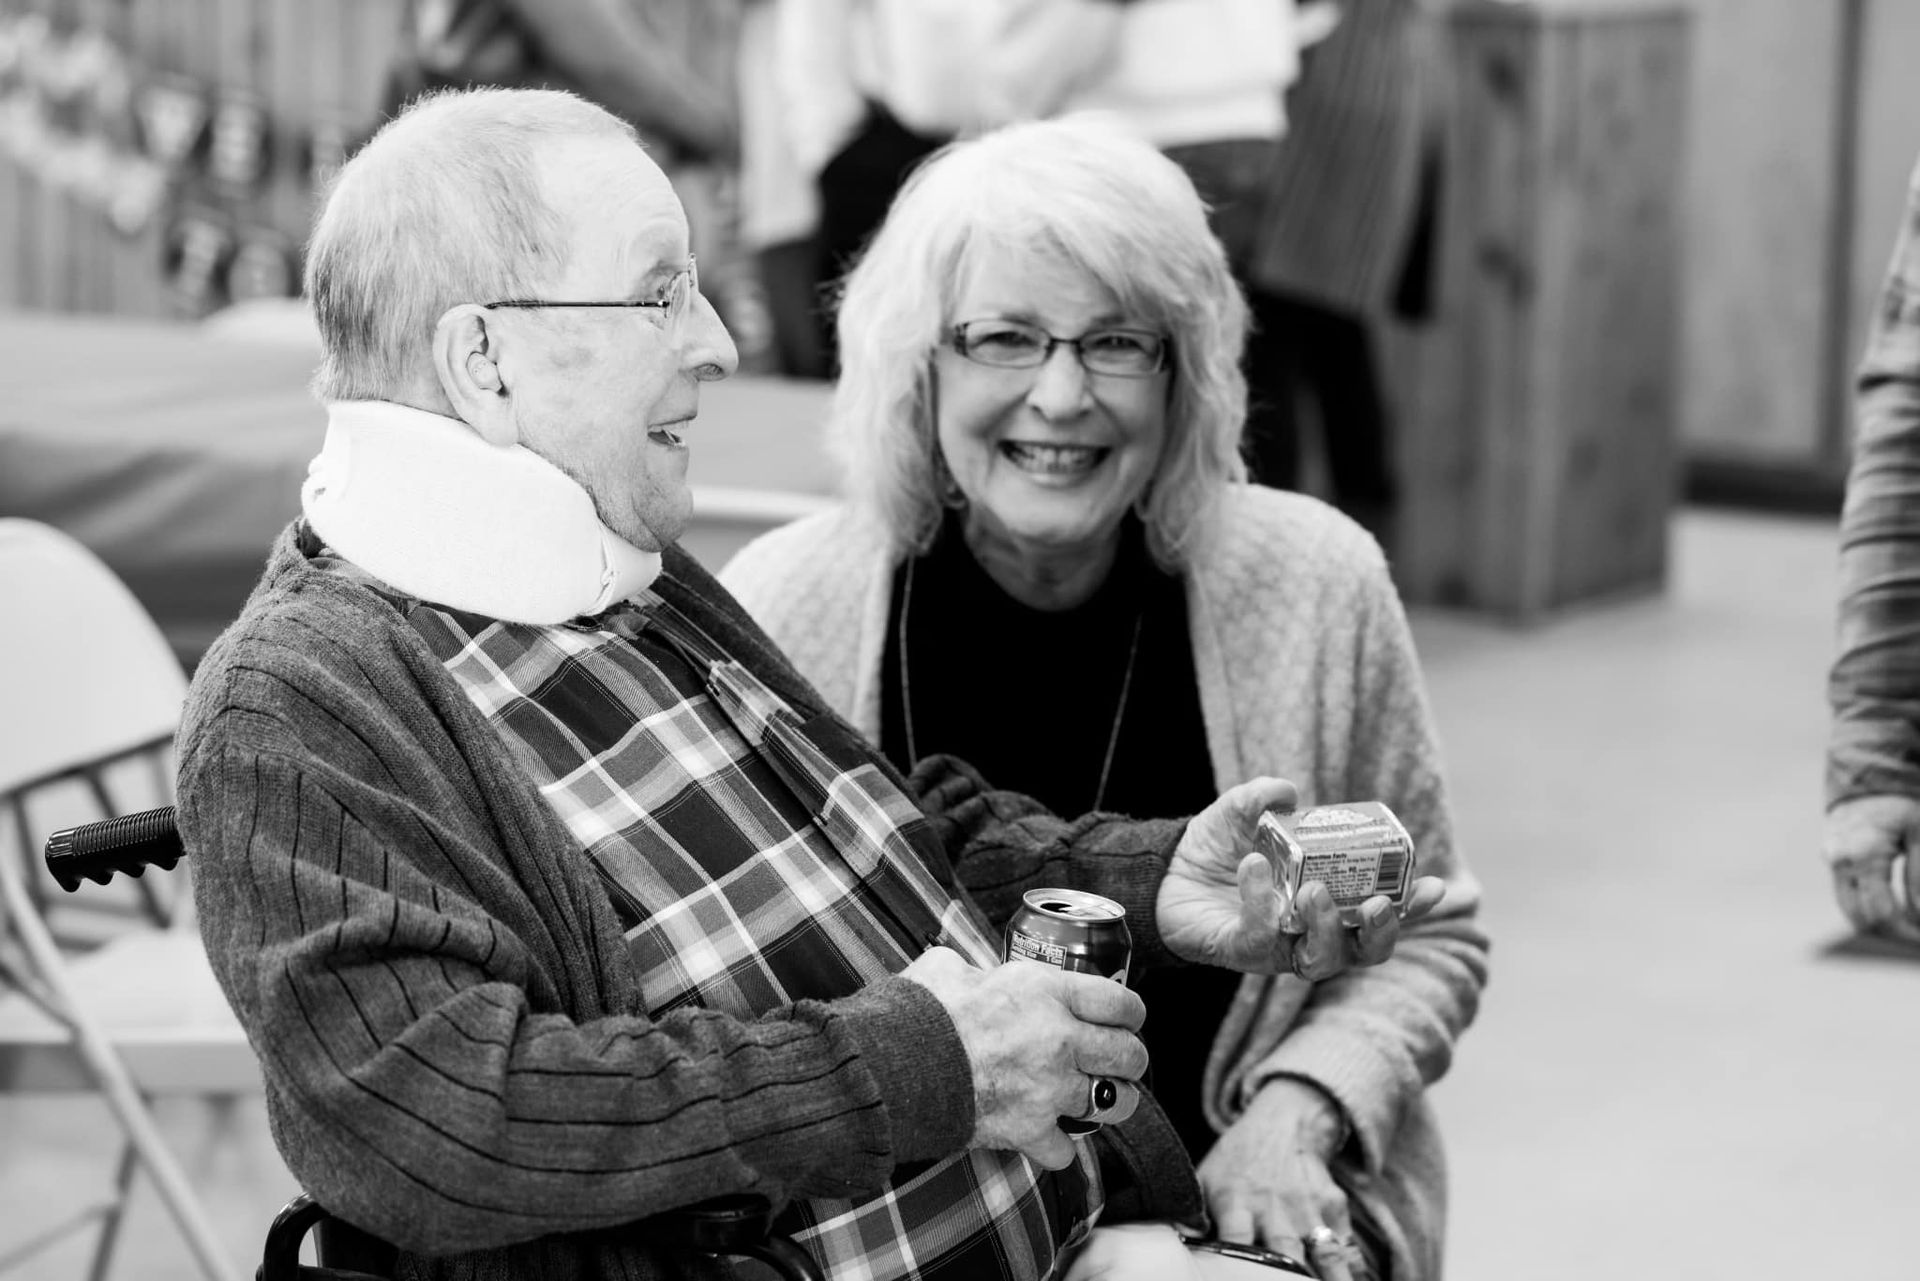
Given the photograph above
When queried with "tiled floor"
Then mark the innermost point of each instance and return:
(1670, 1077)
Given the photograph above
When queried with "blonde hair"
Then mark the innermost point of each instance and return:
(445, 205)
(1106, 203)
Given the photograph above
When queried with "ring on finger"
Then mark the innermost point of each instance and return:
(1300, 963)
(1103, 1096)
(1322, 1237)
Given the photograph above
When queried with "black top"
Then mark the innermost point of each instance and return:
(1029, 698)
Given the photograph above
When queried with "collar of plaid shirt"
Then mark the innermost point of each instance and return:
(423, 504)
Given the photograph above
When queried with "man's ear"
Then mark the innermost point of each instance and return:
(465, 358)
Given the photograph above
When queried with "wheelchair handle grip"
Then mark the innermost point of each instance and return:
(130, 844)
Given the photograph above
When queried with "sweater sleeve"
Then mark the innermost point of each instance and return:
(435, 1066)
(1003, 844)
(1874, 686)
(1374, 1038)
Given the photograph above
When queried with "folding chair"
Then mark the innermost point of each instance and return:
(737, 1225)
(89, 691)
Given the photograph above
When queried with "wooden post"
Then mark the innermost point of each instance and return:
(16, 200)
(1539, 454)
(51, 278)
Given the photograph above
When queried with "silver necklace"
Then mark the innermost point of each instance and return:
(906, 688)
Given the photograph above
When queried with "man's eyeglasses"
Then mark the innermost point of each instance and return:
(673, 303)
(1013, 344)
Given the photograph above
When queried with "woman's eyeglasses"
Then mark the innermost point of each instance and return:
(673, 303)
(1014, 344)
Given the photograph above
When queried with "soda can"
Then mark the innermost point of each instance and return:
(1357, 849)
(1071, 930)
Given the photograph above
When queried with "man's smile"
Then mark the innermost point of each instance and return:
(668, 433)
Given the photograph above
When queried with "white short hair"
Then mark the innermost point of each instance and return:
(444, 205)
(1105, 202)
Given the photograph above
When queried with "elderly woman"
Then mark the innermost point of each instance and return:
(1050, 566)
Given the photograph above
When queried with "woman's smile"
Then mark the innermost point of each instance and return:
(1053, 462)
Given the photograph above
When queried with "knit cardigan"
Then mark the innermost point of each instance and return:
(455, 1054)
(1306, 670)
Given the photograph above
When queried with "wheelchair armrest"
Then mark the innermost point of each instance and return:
(741, 1224)
(718, 1226)
(738, 1225)
(280, 1258)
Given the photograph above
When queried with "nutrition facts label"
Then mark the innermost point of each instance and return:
(1350, 875)
(1029, 948)
(1346, 876)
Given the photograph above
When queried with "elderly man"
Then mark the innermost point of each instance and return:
(548, 894)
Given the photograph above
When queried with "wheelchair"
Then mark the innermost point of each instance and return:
(738, 1226)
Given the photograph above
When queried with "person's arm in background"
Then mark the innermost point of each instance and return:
(813, 79)
(608, 53)
(779, 204)
(1873, 755)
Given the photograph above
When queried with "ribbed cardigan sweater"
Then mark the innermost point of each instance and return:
(1307, 671)
(449, 1030)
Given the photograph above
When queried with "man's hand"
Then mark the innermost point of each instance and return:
(1220, 904)
(1868, 846)
(1035, 1037)
(1268, 1180)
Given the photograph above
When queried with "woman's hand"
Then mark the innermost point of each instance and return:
(1220, 905)
(1269, 1182)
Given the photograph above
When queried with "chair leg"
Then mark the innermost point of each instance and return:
(112, 1219)
(38, 891)
(20, 1251)
(110, 1074)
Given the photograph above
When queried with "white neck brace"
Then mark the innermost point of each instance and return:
(422, 503)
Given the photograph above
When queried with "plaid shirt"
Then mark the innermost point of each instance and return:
(755, 860)
(1875, 682)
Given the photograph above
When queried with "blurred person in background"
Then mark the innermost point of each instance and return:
(1205, 82)
(1873, 755)
(1050, 566)
(779, 204)
(1342, 241)
(608, 51)
(547, 892)
(870, 88)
